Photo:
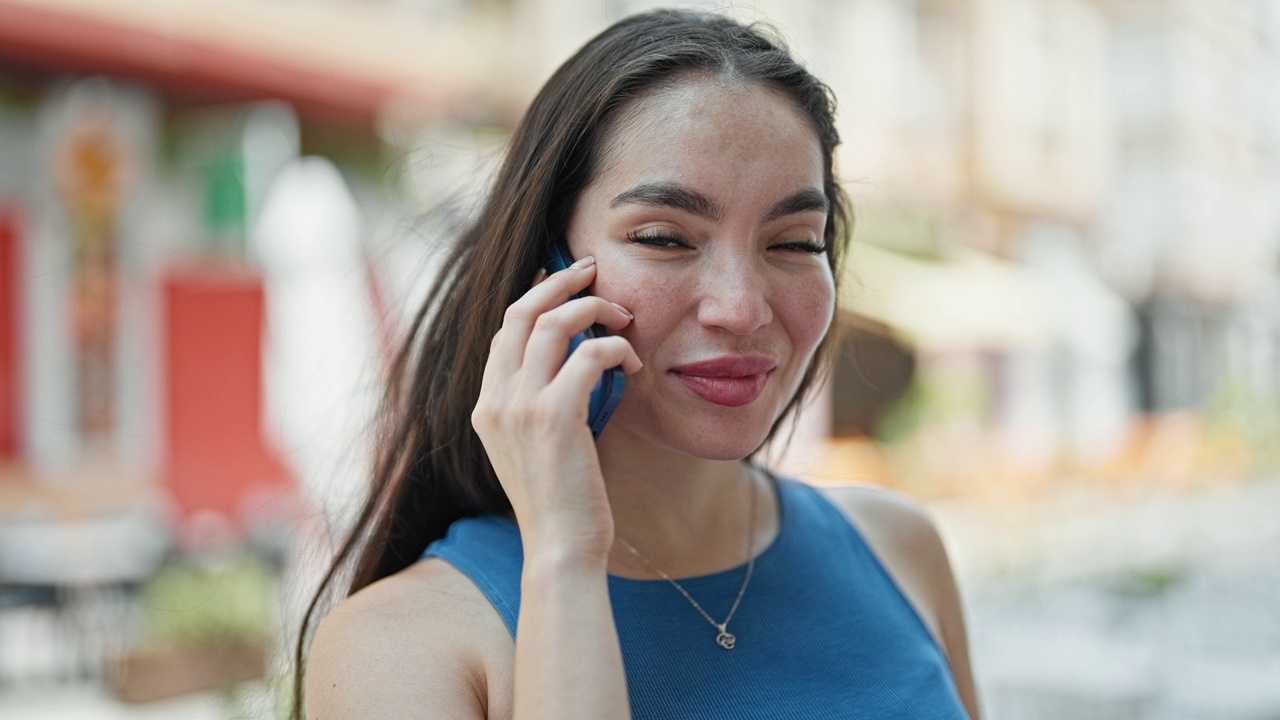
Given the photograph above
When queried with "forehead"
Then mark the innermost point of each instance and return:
(715, 134)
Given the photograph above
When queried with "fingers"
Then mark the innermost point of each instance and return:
(549, 342)
(583, 369)
(566, 396)
(507, 351)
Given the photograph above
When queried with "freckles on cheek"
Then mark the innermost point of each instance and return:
(814, 310)
(639, 293)
(653, 303)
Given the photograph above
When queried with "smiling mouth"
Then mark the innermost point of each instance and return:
(727, 391)
(731, 381)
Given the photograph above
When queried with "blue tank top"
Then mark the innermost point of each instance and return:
(822, 630)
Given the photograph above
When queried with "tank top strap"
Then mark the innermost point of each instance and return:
(487, 549)
(824, 522)
(805, 506)
(818, 519)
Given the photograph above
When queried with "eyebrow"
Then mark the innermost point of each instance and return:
(679, 197)
(807, 200)
(672, 195)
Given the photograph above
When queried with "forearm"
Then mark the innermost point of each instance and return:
(568, 661)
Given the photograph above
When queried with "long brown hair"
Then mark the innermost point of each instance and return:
(431, 468)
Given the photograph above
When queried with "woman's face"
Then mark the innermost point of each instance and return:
(706, 221)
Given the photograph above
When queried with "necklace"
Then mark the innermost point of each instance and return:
(724, 638)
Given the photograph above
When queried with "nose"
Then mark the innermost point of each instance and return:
(735, 297)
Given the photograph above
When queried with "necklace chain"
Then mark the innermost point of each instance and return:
(724, 639)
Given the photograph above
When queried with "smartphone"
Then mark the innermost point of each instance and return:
(608, 391)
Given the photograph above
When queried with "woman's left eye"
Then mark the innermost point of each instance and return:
(811, 248)
(656, 239)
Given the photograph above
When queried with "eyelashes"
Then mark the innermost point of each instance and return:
(656, 239)
(806, 247)
(668, 241)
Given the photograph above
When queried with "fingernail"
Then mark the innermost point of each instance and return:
(624, 311)
(540, 276)
(585, 262)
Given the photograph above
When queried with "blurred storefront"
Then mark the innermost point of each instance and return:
(201, 276)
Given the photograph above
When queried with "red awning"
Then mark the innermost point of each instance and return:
(213, 62)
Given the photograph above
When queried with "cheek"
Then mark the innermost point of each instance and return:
(809, 309)
(655, 298)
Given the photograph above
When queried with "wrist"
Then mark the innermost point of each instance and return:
(562, 562)
(567, 546)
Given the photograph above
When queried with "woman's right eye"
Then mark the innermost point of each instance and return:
(656, 239)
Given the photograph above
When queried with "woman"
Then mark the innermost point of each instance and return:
(686, 162)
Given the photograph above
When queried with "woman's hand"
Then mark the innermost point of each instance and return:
(532, 414)
(532, 418)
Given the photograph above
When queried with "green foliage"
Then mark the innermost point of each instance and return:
(1148, 582)
(936, 395)
(1239, 415)
(189, 605)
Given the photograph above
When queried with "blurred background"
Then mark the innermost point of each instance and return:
(1061, 321)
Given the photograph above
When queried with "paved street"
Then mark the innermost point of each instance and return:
(1152, 604)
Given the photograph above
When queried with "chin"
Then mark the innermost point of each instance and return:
(710, 439)
(735, 453)
(726, 449)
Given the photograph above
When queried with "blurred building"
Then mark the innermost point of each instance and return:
(142, 145)
(209, 237)
(1064, 206)
(1067, 207)
(1192, 229)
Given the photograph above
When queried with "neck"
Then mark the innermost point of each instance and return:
(686, 515)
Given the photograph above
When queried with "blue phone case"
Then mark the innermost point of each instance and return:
(608, 391)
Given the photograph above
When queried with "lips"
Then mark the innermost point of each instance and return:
(732, 381)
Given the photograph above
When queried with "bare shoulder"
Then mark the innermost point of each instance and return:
(890, 521)
(905, 539)
(416, 644)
